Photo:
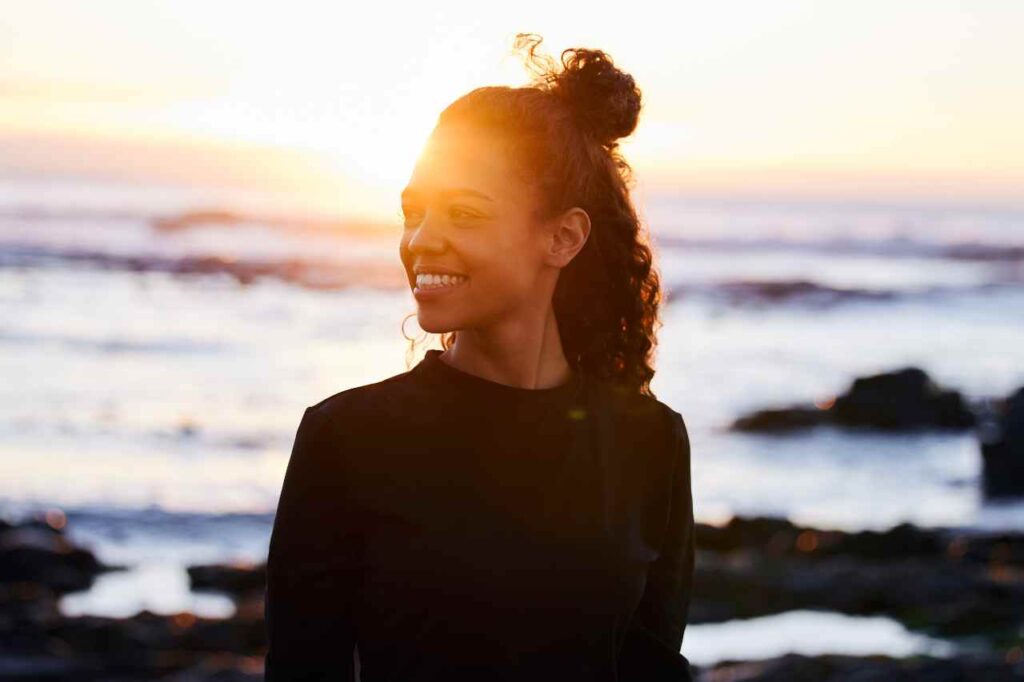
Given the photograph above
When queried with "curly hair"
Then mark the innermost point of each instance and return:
(562, 132)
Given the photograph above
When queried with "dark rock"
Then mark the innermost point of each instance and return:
(989, 252)
(37, 552)
(903, 400)
(778, 536)
(1002, 447)
(806, 292)
(842, 668)
(938, 597)
(321, 273)
(26, 602)
(238, 581)
(38, 667)
(941, 580)
(145, 646)
(221, 669)
(781, 419)
(996, 550)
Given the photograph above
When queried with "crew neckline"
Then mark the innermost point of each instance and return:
(434, 366)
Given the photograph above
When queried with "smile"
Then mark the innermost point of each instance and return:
(428, 286)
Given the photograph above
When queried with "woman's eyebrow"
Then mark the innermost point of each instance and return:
(466, 190)
(409, 193)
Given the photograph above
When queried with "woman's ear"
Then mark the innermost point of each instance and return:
(570, 233)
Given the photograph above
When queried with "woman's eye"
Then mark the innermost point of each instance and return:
(461, 213)
(411, 214)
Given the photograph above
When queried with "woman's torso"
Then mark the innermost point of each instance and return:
(499, 528)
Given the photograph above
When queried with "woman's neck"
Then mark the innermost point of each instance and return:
(525, 356)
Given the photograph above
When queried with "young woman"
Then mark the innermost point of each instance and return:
(518, 505)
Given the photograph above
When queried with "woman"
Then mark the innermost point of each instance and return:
(518, 505)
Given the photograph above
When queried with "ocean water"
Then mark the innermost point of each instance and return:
(155, 369)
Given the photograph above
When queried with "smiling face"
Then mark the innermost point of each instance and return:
(467, 212)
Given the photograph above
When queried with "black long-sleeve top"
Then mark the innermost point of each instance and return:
(437, 525)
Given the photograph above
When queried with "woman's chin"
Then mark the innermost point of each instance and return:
(434, 323)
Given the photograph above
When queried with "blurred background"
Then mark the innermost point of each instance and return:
(199, 227)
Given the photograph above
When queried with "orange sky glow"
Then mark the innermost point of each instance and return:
(796, 98)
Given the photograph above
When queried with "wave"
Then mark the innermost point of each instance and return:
(895, 247)
(761, 293)
(163, 226)
(311, 274)
(329, 275)
(113, 345)
(194, 219)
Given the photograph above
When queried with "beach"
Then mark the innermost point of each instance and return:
(159, 349)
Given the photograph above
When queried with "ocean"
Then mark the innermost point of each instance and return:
(159, 345)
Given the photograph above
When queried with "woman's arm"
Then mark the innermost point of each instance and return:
(312, 563)
(655, 634)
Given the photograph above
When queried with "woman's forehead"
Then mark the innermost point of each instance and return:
(462, 158)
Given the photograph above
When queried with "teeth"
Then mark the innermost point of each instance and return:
(432, 280)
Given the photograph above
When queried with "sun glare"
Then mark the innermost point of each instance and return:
(768, 88)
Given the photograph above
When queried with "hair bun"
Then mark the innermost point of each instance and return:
(604, 99)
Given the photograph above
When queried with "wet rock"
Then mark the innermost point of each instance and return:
(985, 252)
(221, 669)
(38, 552)
(937, 597)
(15, 666)
(902, 400)
(779, 536)
(1002, 447)
(321, 273)
(943, 581)
(238, 580)
(145, 646)
(758, 292)
(781, 419)
(26, 602)
(775, 535)
(840, 668)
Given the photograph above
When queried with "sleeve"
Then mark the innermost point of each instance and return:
(654, 637)
(312, 563)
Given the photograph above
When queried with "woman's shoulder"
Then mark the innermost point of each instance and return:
(358, 404)
(644, 427)
(641, 410)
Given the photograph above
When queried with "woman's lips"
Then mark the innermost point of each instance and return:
(432, 291)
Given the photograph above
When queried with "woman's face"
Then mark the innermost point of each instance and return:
(467, 212)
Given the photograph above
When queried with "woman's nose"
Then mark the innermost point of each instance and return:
(428, 235)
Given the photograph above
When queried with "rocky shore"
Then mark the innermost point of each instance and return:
(959, 585)
(943, 582)
(901, 400)
(908, 400)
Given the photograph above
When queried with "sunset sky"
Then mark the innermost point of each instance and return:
(917, 98)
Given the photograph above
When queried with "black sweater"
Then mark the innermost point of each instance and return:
(459, 528)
